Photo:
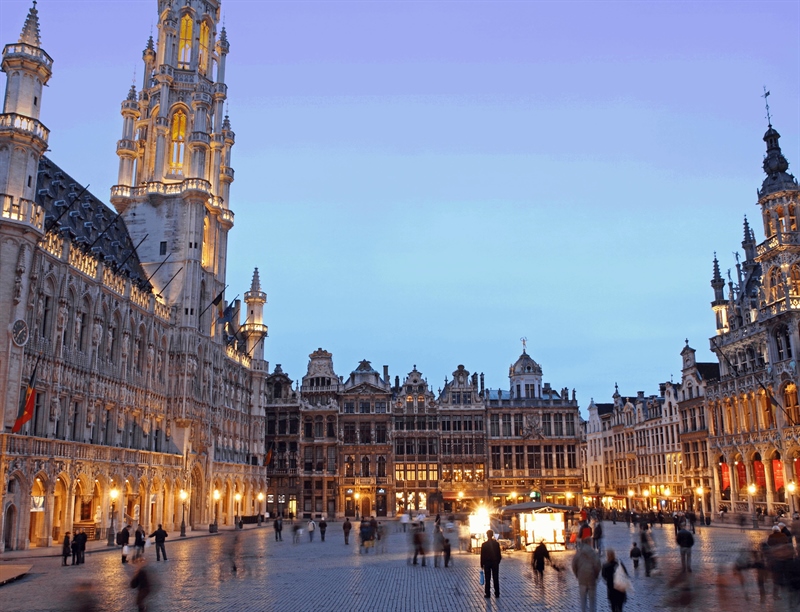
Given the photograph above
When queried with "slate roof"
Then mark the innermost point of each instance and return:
(604, 409)
(82, 218)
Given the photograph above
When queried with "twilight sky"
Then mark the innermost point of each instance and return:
(427, 182)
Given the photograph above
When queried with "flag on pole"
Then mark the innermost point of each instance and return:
(28, 401)
(268, 458)
(218, 303)
(226, 316)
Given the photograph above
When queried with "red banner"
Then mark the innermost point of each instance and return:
(726, 477)
(761, 477)
(741, 473)
(777, 472)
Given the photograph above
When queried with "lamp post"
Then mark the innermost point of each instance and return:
(183, 495)
(238, 498)
(700, 501)
(357, 495)
(791, 488)
(214, 528)
(113, 494)
(751, 490)
(260, 506)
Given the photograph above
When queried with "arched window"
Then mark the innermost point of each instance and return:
(349, 466)
(177, 142)
(791, 220)
(381, 467)
(783, 344)
(202, 55)
(791, 404)
(775, 288)
(365, 467)
(207, 243)
(794, 280)
(185, 42)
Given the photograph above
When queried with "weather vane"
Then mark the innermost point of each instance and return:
(766, 103)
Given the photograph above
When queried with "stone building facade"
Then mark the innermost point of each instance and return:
(139, 393)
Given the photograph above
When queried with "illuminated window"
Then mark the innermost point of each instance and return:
(185, 42)
(794, 280)
(178, 142)
(202, 55)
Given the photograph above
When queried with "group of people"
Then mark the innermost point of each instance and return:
(159, 536)
(75, 547)
(777, 559)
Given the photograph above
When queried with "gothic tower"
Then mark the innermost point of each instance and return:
(253, 327)
(174, 171)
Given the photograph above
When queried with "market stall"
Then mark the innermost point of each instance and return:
(537, 521)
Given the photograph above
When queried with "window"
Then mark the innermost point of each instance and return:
(331, 458)
(318, 427)
(560, 456)
(494, 425)
(466, 398)
(162, 248)
(457, 423)
(331, 429)
(177, 142)
(517, 424)
(570, 424)
(506, 425)
(455, 397)
(495, 457)
(478, 423)
(547, 427)
(185, 42)
(349, 407)
(380, 407)
(380, 433)
(349, 466)
(381, 467)
(534, 458)
(558, 423)
(445, 423)
(364, 407)
(202, 52)
(548, 456)
(349, 433)
(572, 457)
(507, 465)
(410, 446)
(365, 433)
(467, 423)
(399, 446)
(519, 457)
(365, 466)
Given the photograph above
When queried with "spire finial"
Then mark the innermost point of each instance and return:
(766, 103)
(524, 341)
(30, 31)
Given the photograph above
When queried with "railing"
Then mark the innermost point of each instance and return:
(53, 244)
(162, 310)
(114, 282)
(158, 188)
(238, 357)
(20, 209)
(35, 53)
(82, 262)
(25, 124)
(140, 298)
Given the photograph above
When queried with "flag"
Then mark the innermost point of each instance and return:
(219, 303)
(28, 402)
(226, 316)
(268, 458)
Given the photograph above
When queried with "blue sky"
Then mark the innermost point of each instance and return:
(427, 182)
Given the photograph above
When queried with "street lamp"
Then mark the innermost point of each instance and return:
(260, 512)
(647, 498)
(791, 488)
(357, 495)
(238, 498)
(113, 494)
(215, 527)
(700, 498)
(183, 495)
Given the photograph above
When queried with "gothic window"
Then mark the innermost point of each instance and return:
(365, 466)
(177, 142)
(783, 344)
(207, 243)
(202, 55)
(349, 466)
(185, 42)
(791, 220)
(791, 404)
(774, 286)
(381, 467)
(794, 280)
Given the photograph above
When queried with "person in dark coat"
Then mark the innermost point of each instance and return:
(141, 582)
(75, 549)
(540, 553)
(490, 563)
(322, 527)
(82, 538)
(616, 598)
(346, 527)
(446, 550)
(278, 524)
(123, 539)
(66, 549)
(160, 535)
(138, 542)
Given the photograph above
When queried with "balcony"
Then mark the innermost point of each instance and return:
(22, 211)
(164, 189)
(26, 51)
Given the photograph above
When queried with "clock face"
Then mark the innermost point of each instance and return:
(19, 332)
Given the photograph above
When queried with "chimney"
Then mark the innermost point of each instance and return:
(386, 374)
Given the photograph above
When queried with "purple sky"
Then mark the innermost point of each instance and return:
(427, 182)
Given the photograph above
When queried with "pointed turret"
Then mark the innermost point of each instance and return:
(254, 328)
(719, 305)
(30, 31)
(776, 166)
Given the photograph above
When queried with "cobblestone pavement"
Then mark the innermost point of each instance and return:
(325, 576)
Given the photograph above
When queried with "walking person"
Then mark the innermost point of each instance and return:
(323, 526)
(123, 538)
(446, 550)
(586, 567)
(418, 540)
(141, 582)
(66, 549)
(490, 563)
(540, 553)
(278, 525)
(616, 596)
(438, 544)
(312, 527)
(648, 552)
(160, 536)
(636, 554)
(138, 543)
(346, 527)
(685, 541)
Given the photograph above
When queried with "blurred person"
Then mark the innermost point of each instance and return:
(490, 563)
(636, 554)
(418, 539)
(616, 597)
(323, 527)
(648, 550)
(597, 537)
(586, 567)
(296, 533)
(780, 553)
(540, 554)
(404, 520)
(84, 598)
(278, 526)
(138, 543)
(346, 527)
(75, 549)
(438, 544)
(365, 535)
(141, 582)
(685, 541)
(123, 538)
(312, 527)
(66, 549)
(82, 538)
(381, 535)
(446, 551)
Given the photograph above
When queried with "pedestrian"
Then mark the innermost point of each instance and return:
(586, 567)
(446, 551)
(585, 533)
(490, 563)
(685, 541)
(160, 536)
(141, 582)
(75, 549)
(636, 554)
(366, 535)
(648, 551)
(418, 540)
(616, 594)
(66, 549)
(346, 527)
(278, 525)
(597, 537)
(123, 538)
(323, 526)
(81, 536)
(138, 543)
(438, 544)
(380, 534)
(540, 553)
(404, 519)
(779, 556)
(312, 527)
(296, 532)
